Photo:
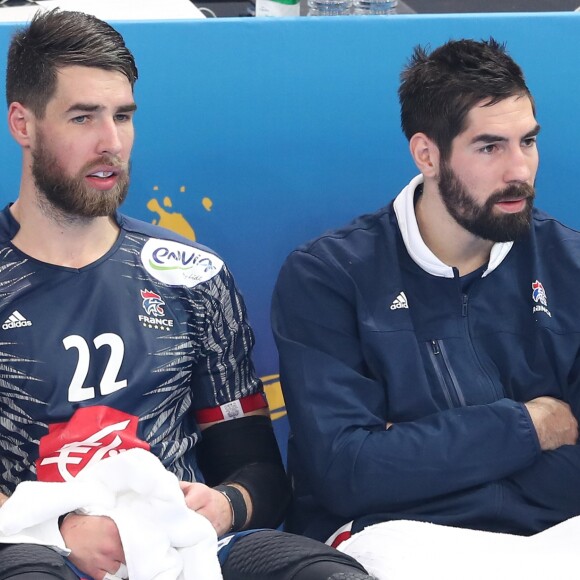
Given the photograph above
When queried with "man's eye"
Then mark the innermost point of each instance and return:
(80, 119)
(530, 142)
(489, 148)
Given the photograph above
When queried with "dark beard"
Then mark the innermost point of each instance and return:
(71, 196)
(482, 220)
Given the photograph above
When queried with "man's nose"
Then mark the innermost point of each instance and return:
(521, 165)
(109, 138)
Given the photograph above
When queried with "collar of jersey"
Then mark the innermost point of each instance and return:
(404, 205)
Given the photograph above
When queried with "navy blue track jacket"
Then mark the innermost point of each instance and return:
(373, 329)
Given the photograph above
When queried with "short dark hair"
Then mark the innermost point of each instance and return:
(438, 90)
(56, 39)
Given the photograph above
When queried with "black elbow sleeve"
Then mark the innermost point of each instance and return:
(245, 451)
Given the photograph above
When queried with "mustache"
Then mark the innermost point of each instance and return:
(108, 160)
(511, 192)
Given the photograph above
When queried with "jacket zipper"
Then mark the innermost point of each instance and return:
(464, 300)
(447, 379)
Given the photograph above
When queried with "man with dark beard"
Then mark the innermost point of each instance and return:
(429, 352)
(121, 337)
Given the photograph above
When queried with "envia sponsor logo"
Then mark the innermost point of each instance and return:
(179, 264)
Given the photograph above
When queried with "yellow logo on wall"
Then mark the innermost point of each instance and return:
(176, 222)
(274, 396)
(173, 220)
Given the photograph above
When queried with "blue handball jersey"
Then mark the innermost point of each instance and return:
(133, 350)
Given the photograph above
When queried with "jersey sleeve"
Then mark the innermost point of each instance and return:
(224, 381)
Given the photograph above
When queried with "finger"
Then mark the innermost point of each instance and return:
(122, 572)
(194, 504)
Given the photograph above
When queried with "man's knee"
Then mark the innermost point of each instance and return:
(273, 555)
(23, 561)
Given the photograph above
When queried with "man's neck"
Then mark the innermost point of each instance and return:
(72, 243)
(449, 241)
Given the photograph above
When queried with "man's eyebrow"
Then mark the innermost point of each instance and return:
(127, 108)
(533, 132)
(84, 107)
(88, 108)
(490, 138)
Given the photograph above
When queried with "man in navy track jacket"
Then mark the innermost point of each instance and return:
(430, 352)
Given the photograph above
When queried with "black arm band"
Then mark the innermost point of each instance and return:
(237, 505)
(245, 451)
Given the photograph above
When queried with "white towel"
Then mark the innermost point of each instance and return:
(162, 538)
(409, 550)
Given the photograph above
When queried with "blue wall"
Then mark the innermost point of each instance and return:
(264, 133)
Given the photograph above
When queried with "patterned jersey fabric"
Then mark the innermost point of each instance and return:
(132, 350)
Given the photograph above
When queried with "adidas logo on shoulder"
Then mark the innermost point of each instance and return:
(15, 320)
(400, 302)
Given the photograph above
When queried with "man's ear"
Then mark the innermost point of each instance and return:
(425, 154)
(20, 121)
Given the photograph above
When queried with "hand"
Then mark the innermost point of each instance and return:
(554, 422)
(210, 503)
(95, 544)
